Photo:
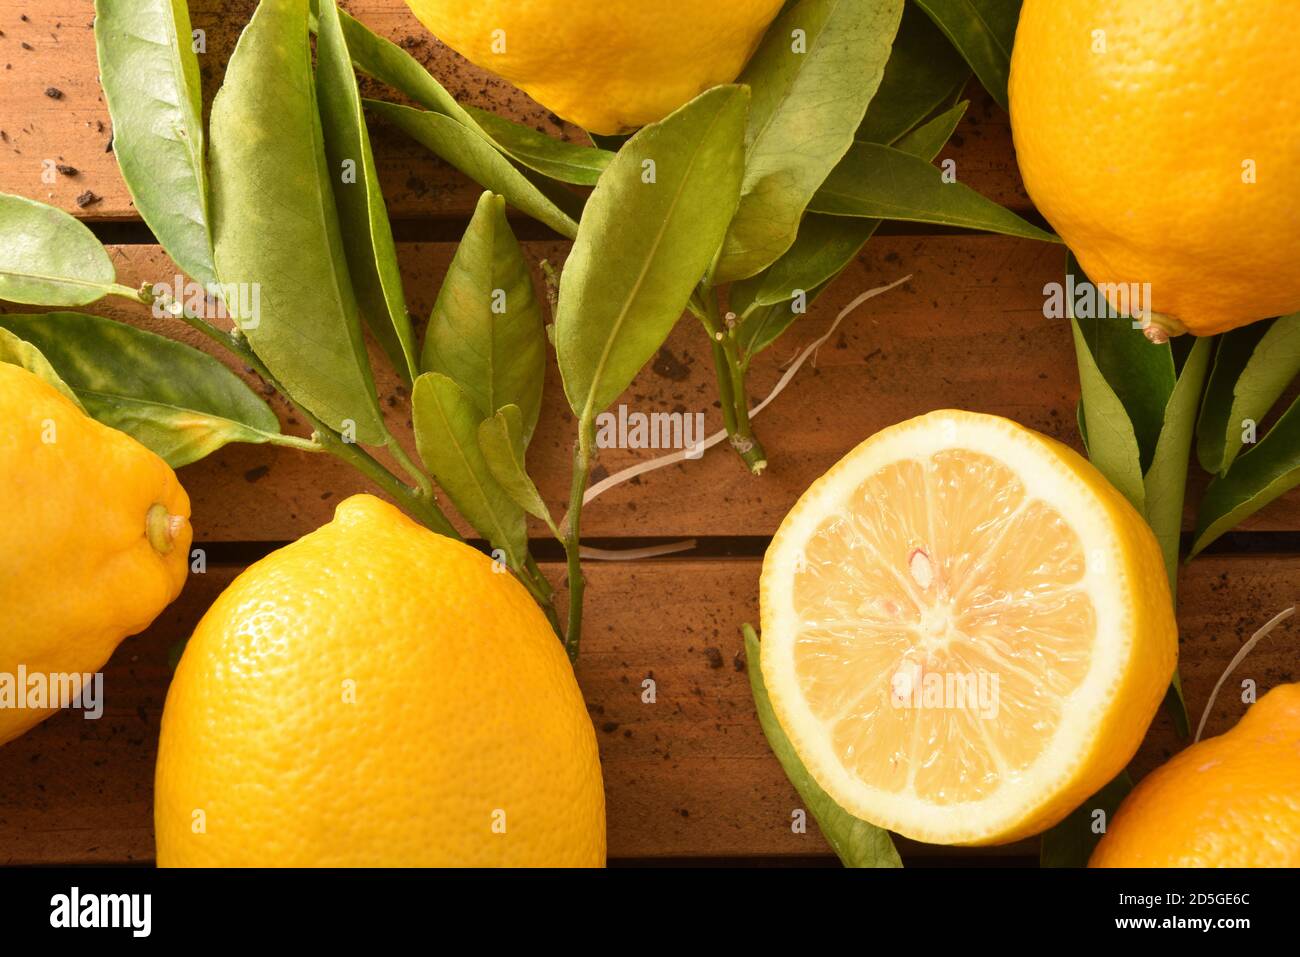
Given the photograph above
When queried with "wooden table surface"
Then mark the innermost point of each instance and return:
(690, 777)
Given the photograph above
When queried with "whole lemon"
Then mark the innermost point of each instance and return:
(1230, 801)
(95, 543)
(609, 67)
(1160, 139)
(376, 695)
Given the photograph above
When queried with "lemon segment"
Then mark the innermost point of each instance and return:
(966, 630)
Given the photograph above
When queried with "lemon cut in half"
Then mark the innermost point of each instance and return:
(966, 629)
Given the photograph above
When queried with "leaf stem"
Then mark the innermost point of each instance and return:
(730, 371)
(582, 462)
(414, 471)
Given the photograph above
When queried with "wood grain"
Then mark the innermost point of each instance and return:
(967, 331)
(687, 776)
(50, 46)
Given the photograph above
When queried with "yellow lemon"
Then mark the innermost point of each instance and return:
(966, 629)
(609, 67)
(1230, 801)
(1160, 140)
(376, 695)
(94, 544)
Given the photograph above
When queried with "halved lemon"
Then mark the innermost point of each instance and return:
(966, 629)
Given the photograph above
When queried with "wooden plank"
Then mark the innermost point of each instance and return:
(49, 46)
(967, 331)
(687, 776)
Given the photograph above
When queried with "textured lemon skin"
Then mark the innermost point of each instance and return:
(1138, 687)
(1135, 155)
(1230, 801)
(608, 67)
(376, 695)
(77, 572)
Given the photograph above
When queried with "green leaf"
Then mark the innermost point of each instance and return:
(766, 323)
(1252, 368)
(276, 224)
(1257, 477)
(1141, 373)
(446, 435)
(983, 31)
(1112, 444)
(927, 139)
(478, 159)
(180, 402)
(389, 63)
(824, 247)
(486, 329)
(1126, 380)
(1071, 842)
(652, 227)
(858, 843)
(48, 258)
(558, 159)
(1166, 479)
(367, 233)
(19, 352)
(806, 106)
(150, 77)
(827, 244)
(384, 60)
(923, 74)
(501, 440)
(887, 183)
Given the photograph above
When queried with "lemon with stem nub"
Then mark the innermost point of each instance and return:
(1160, 140)
(96, 540)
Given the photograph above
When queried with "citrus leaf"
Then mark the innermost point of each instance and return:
(1252, 368)
(180, 402)
(1166, 479)
(811, 78)
(858, 843)
(1112, 444)
(150, 77)
(652, 227)
(1140, 372)
(473, 155)
(983, 31)
(446, 436)
(927, 139)
(766, 324)
(390, 64)
(486, 328)
(1071, 842)
(501, 439)
(384, 60)
(276, 226)
(1146, 374)
(924, 73)
(21, 353)
(824, 247)
(558, 159)
(886, 183)
(1256, 477)
(48, 258)
(366, 231)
